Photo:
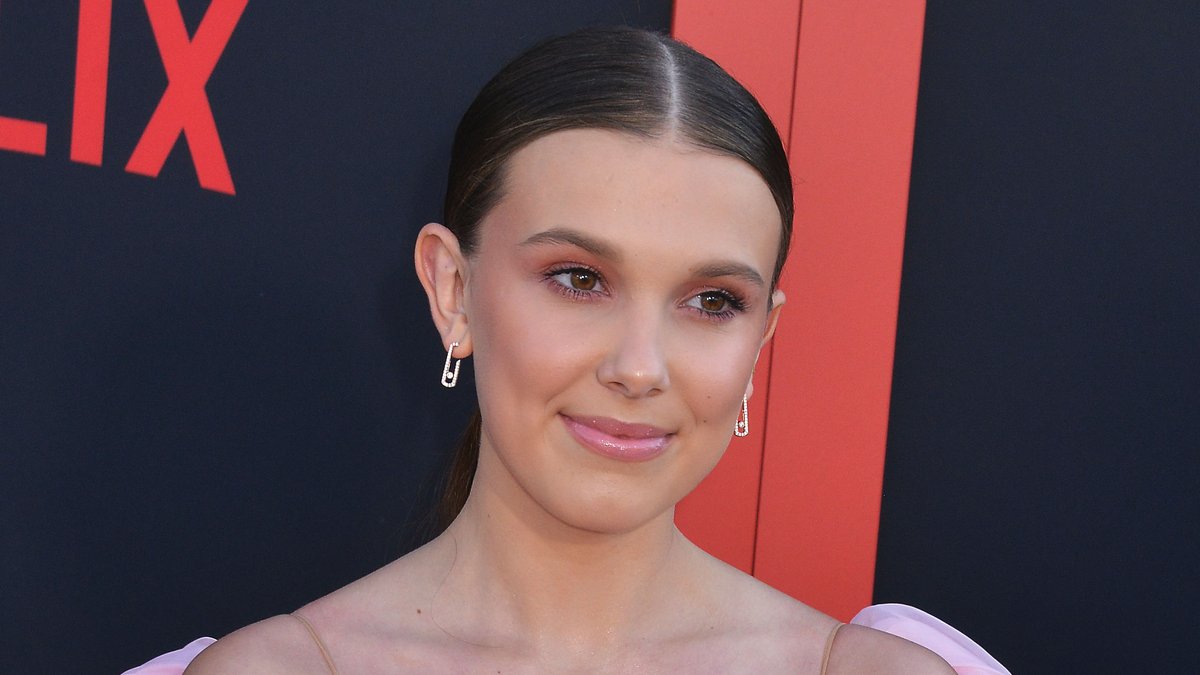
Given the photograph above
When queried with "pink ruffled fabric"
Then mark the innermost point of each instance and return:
(910, 623)
(172, 663)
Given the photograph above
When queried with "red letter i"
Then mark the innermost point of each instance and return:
(91, 81)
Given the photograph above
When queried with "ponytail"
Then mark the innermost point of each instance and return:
(461, 473)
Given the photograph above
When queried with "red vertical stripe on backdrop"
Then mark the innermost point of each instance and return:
(855, 105)
(91, 81)
(756, 42)
(849, 73)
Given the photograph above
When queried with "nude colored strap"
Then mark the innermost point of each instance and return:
(829, 647)
(320, 645)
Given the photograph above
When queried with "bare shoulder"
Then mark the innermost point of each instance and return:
(770, 631)
(753, 602)
(369, 616)
(858, 649)
(279, 644)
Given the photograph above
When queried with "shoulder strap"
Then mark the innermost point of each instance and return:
(320, 645)
(829, 647)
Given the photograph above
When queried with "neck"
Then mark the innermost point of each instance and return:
(520, 576)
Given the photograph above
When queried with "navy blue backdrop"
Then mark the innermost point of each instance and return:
(1043, 467)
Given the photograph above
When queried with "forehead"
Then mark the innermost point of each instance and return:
(653, 193)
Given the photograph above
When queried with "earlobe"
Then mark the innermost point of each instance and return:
(442, 270)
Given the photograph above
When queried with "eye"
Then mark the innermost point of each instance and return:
(716, 304)
(579, 280)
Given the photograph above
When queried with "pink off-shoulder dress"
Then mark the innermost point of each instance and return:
(910, 623)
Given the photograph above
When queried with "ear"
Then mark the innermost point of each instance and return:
(443, 272)
(777, 300)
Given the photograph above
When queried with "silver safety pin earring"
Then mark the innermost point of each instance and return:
(741, 428)
(449, 379)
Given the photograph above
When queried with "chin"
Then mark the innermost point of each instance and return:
(609, 514)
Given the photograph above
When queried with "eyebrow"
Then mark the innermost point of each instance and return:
(730, 269)
(563, 235)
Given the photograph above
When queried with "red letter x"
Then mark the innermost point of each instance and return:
(184, 106)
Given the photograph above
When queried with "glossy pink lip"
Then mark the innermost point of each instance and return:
(615, 439)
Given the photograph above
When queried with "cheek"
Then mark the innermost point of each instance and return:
(713, 372)
(523, 349)
(721, 378)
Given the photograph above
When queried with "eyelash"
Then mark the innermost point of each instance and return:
(735, 303)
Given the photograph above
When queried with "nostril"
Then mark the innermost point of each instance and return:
(635, 366)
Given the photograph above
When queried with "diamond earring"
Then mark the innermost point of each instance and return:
(741, 428)
(449, 379)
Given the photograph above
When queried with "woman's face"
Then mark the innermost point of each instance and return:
(616, 304)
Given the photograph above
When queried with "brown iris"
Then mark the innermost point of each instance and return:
(583, 280)
(713, 302)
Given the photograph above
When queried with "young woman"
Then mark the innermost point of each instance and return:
(617, 216)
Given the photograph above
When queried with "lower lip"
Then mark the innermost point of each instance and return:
(616, 447)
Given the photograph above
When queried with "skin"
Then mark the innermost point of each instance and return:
(619, 277)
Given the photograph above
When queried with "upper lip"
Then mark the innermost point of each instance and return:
(620, 429)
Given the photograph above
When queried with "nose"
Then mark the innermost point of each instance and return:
(636, 365)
